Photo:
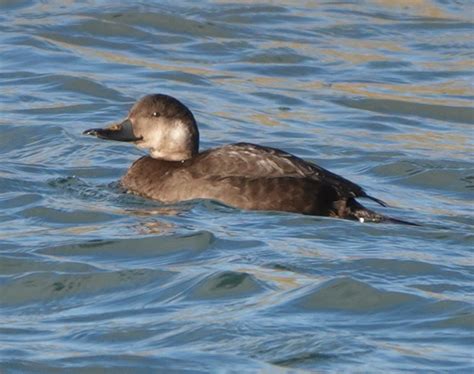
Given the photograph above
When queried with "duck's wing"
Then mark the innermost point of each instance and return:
(250, 160)
(253, 161)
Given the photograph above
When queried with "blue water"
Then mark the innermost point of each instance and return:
(95, 281)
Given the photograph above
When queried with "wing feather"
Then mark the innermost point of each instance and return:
(253, 161)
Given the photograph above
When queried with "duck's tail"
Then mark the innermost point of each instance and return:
(358, 212)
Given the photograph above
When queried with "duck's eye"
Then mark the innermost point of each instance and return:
(155, 114)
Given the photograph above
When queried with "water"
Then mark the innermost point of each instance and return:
(96, 281)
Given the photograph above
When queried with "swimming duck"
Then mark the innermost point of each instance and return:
(242, 175)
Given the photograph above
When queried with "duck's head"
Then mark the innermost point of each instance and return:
(159, 123)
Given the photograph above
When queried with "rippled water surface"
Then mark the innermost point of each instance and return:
(93, 280)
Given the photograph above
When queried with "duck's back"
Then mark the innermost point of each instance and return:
(245, 176)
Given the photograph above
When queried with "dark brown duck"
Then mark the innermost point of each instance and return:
(241, 175)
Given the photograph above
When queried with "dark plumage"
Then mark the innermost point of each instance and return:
(242, 175)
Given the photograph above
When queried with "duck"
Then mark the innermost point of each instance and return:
(241, 175)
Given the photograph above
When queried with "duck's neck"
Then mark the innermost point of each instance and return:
(173, 156)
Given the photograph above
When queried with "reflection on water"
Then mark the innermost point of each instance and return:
(94, 279)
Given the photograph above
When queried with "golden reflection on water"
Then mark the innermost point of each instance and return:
(263, 119)
(155, 227)
(441, 142)
(40, 231)
(424, 8)
(404, 92)
(352, 56)
(454, 65)
(372, 44)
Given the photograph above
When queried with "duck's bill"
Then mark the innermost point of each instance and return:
(122, 132)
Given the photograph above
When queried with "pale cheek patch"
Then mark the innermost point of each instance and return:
(179, 133)
(152, 140)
